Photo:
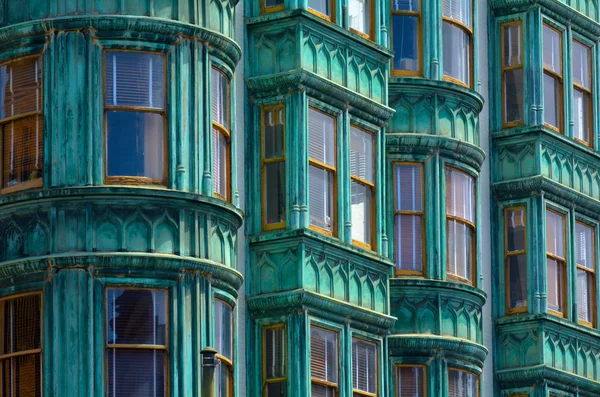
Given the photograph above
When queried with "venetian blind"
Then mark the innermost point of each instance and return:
(410, 382)
(220, 98)
(361, 154)
(275, 352)
(139, 372)
(581, 65)
(555, 234)
(20, 87)
(584, 245)
(459, 10)
(552, 50)
(135, 79)
(364, 366)
(321, 137)
(460, 195)
(323, 355)
(409, 188)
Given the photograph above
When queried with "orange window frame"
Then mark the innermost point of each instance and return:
(416, 14)
(508, 255)
(330, 18)
(265, 10)
(264, 162)
(371, 34)
(228, 361)
(559, 78)
(266, 381)
(465, 372)
(469, 31)
(321, 382)
(505, 69)
(588, 91)
(588, 271)
(412, 366)
(220, 129)
(560, 262)
(371, 186)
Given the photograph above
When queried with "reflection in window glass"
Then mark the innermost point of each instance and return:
(221, 134)
(552, 78)
(555, 261)
(457, 53)
(512, 72)
(582, 93)
(321, 6)
(359, 16)
(516, 259)
(274, 199)
(411, 381)
(586, 273)
(462, 384)
(408, 220)
(405, 35)
(362, 175)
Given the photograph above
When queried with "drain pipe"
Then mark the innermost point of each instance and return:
(209, 365)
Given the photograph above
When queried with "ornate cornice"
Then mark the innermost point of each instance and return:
(424, 287)
(565, 380)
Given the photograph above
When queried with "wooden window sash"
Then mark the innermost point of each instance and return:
(272, 160)
(588, 91)
(224, 108)
(265, 10)
(265, 379)
(423, 392)
(330, 18)
(559, 77)
(416, 14)
(335, 363)
(371, 186)
(375, 347)
(371, 34)
(468, 373)
(505, 68)
(589, 272)
(509, 254)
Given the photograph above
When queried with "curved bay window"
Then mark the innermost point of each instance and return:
(406, 37)
(512, 73)
(553, 80)
(221, 134)
(21, 346)
(457, 33)
(136, 347)
(273, 167)
(135, 118)
(365, 371)
(324, 362)
(362, 186)
(582, 93)
(462, 383)
(21, 124)
(515, 253)
(224, 347)
(460, 226)
(585, 257)
(411, 380)
(556, 263)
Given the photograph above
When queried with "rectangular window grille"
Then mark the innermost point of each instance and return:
(21, 124)
(457, 33)
(586, 273)
(273, 167)
(462, 383)
(512, 73)
(224, 346)
(136, 348)
(275, 362)
(221, 134)
(556, 264)
(553, 78)
(406, 37)
(362, 176)
(582, 92)
(516, 259)
(323, 362)
(411, 381)
(364, 368)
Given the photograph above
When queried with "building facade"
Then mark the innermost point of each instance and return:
(342, 198)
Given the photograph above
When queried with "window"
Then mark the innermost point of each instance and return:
(582, 93)
(359, 17)
(274, 356)
(460, 225)
(408, 219)
(553, 91)
(224, 347)
(273, 167)
(322, 8)
(135, 118)
(586, 273)
(362, 176)
(136, 350)
(364, 368)
(21, 124)
(406, 32)
(411, 381)
(271, 5)
(323, 362)
(322, 171)
(462, 384)
(512, 73)
(457, 31)
(221, 135)
(516, 259)
(21, 346)
(556, 263)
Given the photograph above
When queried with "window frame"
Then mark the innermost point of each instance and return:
(317, 381)
(223, 131)
(128, 179)
(472, 225)
(470, 33)
(421, 214)
(372, 187)
(593, 272)
(415, 14)
(590, 91)
(331, 18)
(164, 348)
(265, 10)
(334, 228)
(505, 69)
(377, 368)
(265, 381)
(559, 77)
(507, 256)
(38, 182)
(263, 167)
(408, 365)
(559, 260)
(457, 369)
(227, 361)
(371, 34)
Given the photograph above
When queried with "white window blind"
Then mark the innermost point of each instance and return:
(135, 79)
(552, 50)
(364, 366)
(409, 217)
(462, 384)
(220, 98)
(459, 10)
(324, 355)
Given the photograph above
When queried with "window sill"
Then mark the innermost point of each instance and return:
(36, 183)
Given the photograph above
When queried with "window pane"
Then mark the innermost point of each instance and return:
(321, 137)
(27, 376)
(552, 50)
(323, 355)
(275, 350)
(581, 65)
(364, 366)
(136, 316)
(322, 6)
(362, 212)
(405, 5)
(20, 324)
(581, 115)
(409, 188)
(136, 373)
(459, 10)
(220, 98)
(515, 230)
(224, 381)
(135, 79)
(513, 95)
(460, 195)
(552, 106)
(278, 389)
(5, 377)
(517, 278)
(274, 134)
(23, 154)
(405, 42)
(362, 162)
(321, 198)
(223, 329)
(556, 298)
(359, 15)
(220, 148)
(273, 3)
(135, 144)
(457, 53)
(584, 245)
(409, 242)
(322, 391)
(461, 384)
(275, 192)
(555, 238)
(512, 45)
(585, 296)
(411, 381)
(459, 254)
(20, 87)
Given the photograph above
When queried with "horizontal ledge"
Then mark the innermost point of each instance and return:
(536, 373)
(399, 285)
(450, 345)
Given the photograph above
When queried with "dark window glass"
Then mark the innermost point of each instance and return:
(411, 381)
(273, 120)
(405, 42)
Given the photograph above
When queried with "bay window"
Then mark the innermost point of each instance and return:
(409, 219)
(457, 32)
(362, 176)
(221, 134)
(582, 92)
(460, 225)
(515, 254)
(224, 346)
(553, 88)
(323, 362)
(359, 17)
(411, 380)
(406, 36)
(136, 349)
(275, 363)
(135, 118)
(273, 167)
(586, 273)
(556, 264)
(322, 171)
(512, 73)
(462, 383)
